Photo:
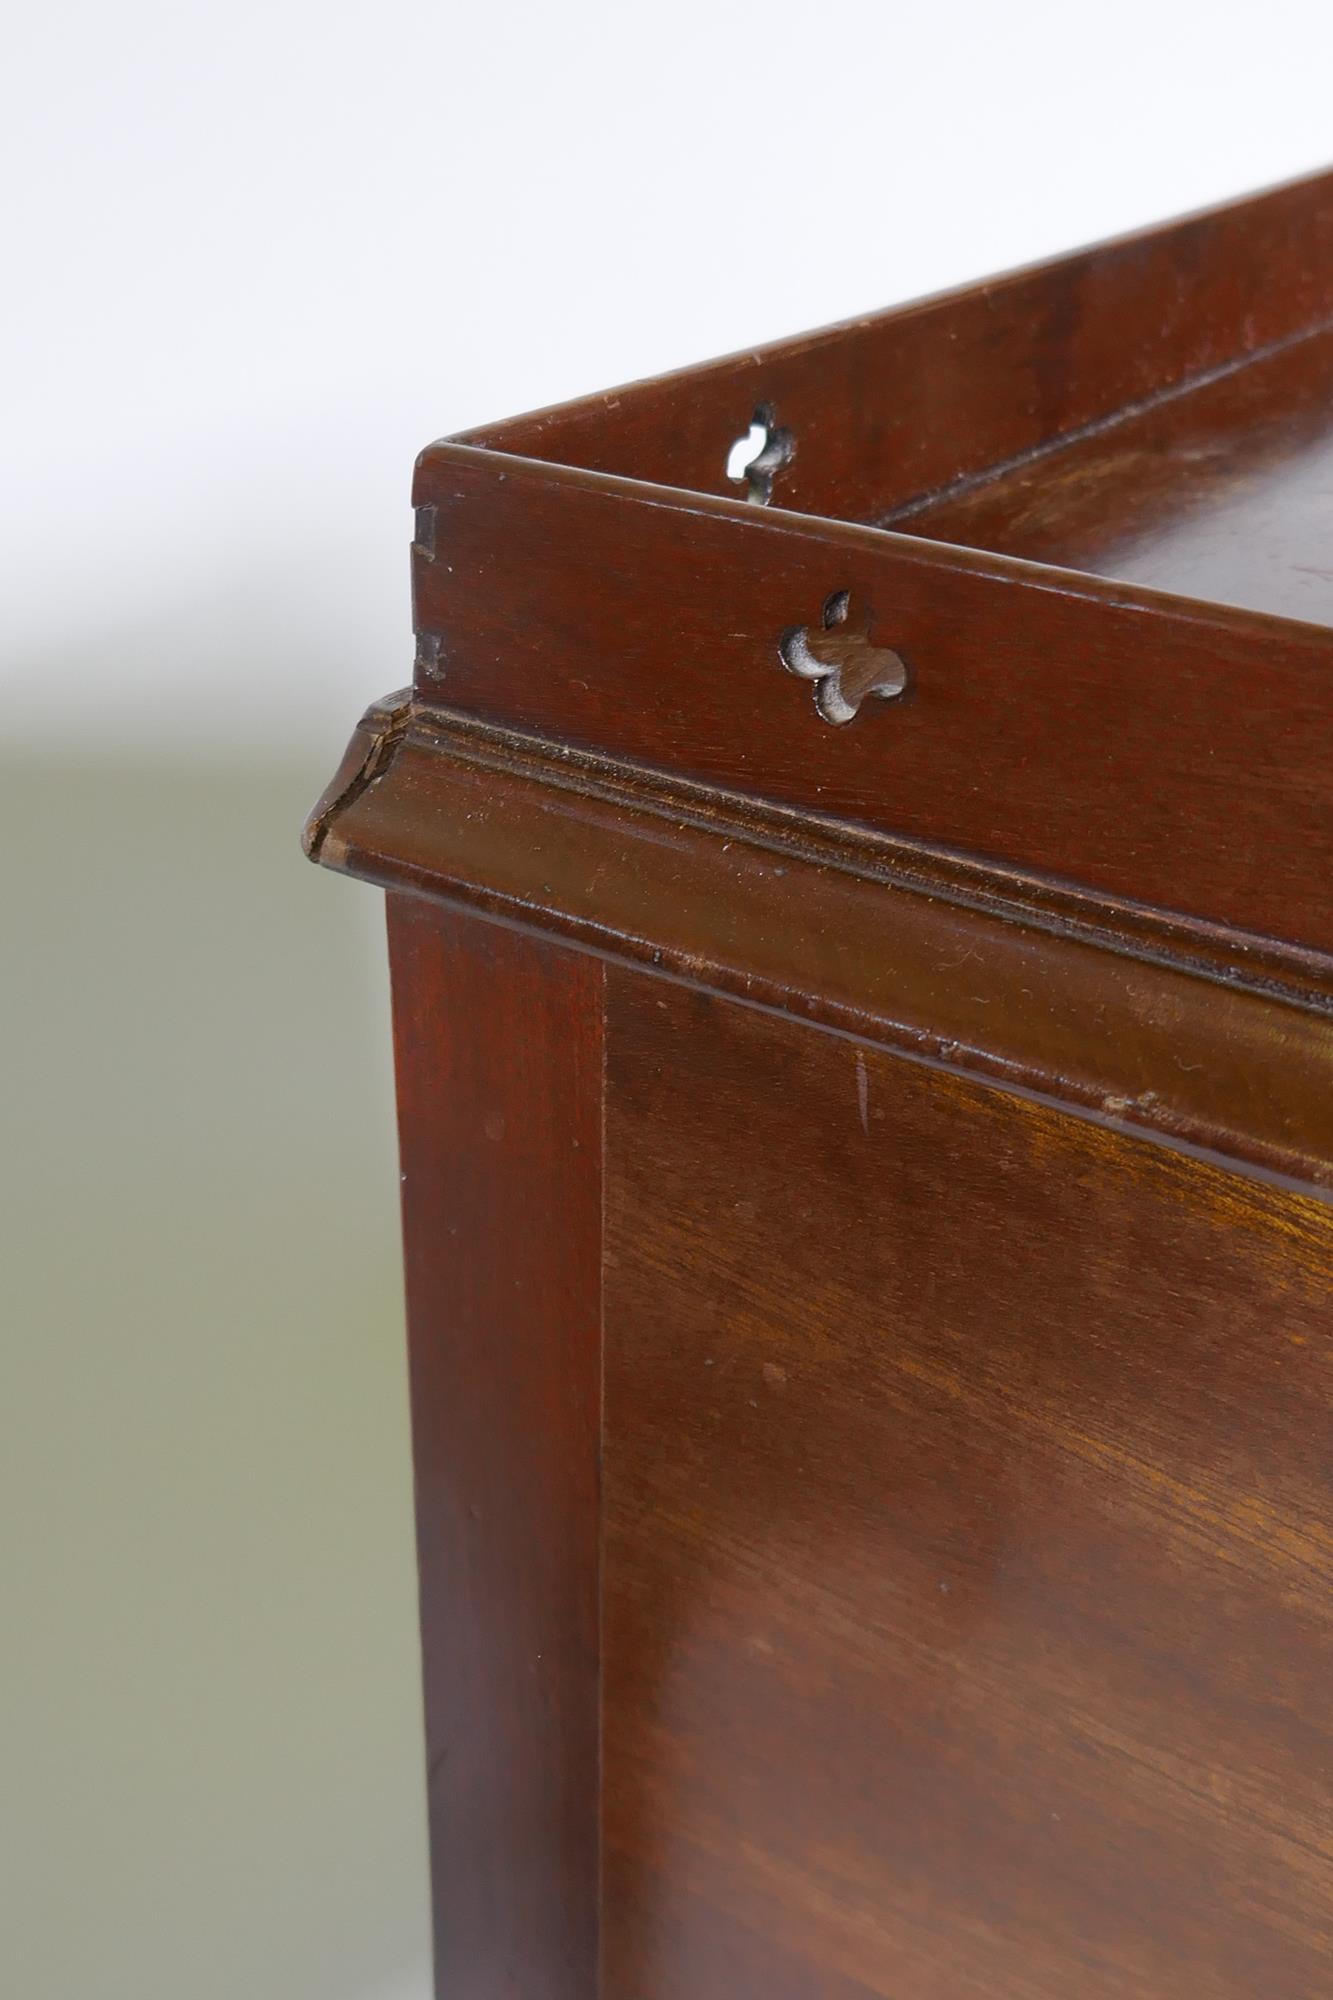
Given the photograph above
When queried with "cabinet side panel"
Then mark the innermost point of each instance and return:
(968, 1558)
(499, 1051)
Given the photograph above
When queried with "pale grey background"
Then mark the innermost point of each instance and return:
(255, 255)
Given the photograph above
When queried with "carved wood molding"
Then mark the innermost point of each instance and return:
(915, 951)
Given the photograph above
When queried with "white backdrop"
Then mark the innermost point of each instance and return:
(255, 255)
(262, 252)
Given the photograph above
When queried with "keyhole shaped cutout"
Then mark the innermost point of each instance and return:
(759, 455)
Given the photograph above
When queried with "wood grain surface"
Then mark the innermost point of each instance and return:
(969, 1540)
(869, 1304)
(1225, 1049)
(885, 408)
(499, 1049)
(1146, 748)
(1222, 493)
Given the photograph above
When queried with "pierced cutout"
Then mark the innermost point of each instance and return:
(840, 659)
(757, 456)
(744, 452)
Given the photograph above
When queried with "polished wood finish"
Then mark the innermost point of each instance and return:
(1220, 493)
(884, 409)
(968, 1570)
(500, 1107)
(871, 939)
(1130, 743)
(863, 966)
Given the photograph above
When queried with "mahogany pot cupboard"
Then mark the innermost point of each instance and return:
(862, 959)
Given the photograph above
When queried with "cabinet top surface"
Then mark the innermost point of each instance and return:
(1222, 491)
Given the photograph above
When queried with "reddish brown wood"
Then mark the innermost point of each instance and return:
(959, 1584)
(1149, 749)
(920, 958)
(1222, 493)
(968, 1576)
(499, 1050)
(886, 408)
